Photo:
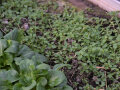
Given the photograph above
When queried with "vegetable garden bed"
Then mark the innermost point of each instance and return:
(87, 47)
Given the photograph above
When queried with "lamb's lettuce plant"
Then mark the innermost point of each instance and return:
(23, 69)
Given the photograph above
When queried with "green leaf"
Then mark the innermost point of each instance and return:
(30, 86)
(8, 59)
(42, 69)
(3, 45)
(39, 87)
(27, 66)
(43, 66)
(23, 49)
(28, 55)
(18, 60)
(55, 78)
(13, 47)
(1, 49)
(26, 78)
(17, 86)
(38, 58)
(13, 35)
(1, 34)
(67, 88)
(10, 75)
(59, 66)
(42, 81)
(63, 83)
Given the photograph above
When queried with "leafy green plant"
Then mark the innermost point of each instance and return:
(23, 69)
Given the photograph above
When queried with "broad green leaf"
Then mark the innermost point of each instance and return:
(1, 49)
(17, 86)
(28, 55)
(38, 58)
(30, 86)
(13, 35)
(55, 78)
(26, 52)
(1, 34)
(39, 87)
(8, 59)
(5, 87)
(67, 88)
(18, 60)
(42, 69)
(42, 81)
(20, 86)
(42, 72)
(63, 83)
(43, 66)
(13, 47)
(59, 66)
(23, 49)
(3, 45)
(10, 75)
(26, 78)
(27, 66)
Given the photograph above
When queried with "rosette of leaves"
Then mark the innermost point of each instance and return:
(23, 69)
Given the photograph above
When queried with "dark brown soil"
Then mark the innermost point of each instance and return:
(76, 78)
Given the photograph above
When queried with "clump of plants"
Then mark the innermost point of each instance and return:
(23, 69)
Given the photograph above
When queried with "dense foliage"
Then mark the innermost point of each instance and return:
(68, 36)
(23, 69)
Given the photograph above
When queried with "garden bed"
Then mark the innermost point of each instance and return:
(88, 41)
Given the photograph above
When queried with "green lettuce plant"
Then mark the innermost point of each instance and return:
(23, 69)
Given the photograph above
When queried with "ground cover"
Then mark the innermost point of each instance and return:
(90, 45)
